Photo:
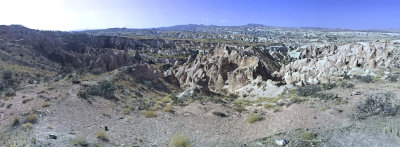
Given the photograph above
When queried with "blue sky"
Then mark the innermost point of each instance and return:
(95, 14)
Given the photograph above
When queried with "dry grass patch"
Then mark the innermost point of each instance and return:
(101, 134)
(27, 126)
(31, 118)
(169, 108)
(179, 141)
(79, 141)
(254, 118)
(148, 113)
(46, 104)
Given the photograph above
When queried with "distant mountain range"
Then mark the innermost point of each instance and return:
(203, 28)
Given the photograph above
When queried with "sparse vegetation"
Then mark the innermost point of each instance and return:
(252, 118)
(179, 141)
(376, 104)
(308, 136)
(365, 79)
(240, 104)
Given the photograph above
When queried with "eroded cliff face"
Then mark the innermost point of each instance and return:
(331, 63)
(224, 69)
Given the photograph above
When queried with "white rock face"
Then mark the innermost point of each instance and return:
(330, 63)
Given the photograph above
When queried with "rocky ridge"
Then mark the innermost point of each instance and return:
(225, 69)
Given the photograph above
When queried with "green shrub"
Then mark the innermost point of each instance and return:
(346, 85)
(179, 141)
(104, 88)
(310, 90)
(254, 118)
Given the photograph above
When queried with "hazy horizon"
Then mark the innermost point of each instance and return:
(101, 14)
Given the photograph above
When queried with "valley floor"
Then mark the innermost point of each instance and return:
(70, 118)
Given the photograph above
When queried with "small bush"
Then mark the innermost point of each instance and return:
(10, 93)
(326, 96)
(346, 85)
(254, 118)
(7, 75)
(310, 90)
(392, 78)
(101, 134)
(307, 136)
(149, 114)
(166, 100)
(376, 104)
(31, 118)
(27, 126)
(79, 141)
(179, 141)
(104, 88)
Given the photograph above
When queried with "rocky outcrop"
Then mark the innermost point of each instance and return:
(224, 69)
(331, 63)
